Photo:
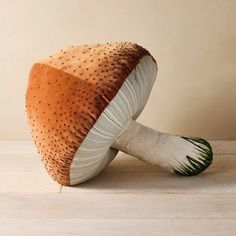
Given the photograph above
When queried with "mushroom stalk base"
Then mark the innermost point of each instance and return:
(186, 156)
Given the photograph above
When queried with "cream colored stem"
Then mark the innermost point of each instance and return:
(139, 141)
(166, 150)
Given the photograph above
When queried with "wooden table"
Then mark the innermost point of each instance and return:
(128, 198)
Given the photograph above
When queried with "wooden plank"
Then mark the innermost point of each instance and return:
(117, 227)
(21, 169)
(113, 206)
(224, 147)
(24, 173)
(17, 147)
(31, 205)
(29, 182)
(128, 175)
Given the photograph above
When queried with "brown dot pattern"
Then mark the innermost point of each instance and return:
(66, 94)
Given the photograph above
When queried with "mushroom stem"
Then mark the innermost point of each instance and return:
(183, 155)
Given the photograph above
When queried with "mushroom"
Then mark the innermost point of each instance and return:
(82, 103)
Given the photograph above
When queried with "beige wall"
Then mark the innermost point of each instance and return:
(193, 42)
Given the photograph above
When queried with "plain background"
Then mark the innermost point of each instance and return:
(194, 43)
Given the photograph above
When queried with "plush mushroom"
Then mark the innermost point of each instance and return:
(82, 103)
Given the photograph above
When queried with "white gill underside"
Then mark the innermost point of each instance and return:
(95, 152)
